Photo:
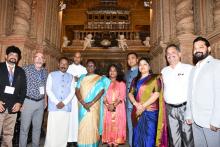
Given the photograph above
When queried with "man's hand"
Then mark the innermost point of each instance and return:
(45, 103)
(60, 105)
(16, 107)
(215, 129)
(189, 122)
(22, 108)
(2, 106)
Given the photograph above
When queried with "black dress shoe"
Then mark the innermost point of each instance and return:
(72, 144)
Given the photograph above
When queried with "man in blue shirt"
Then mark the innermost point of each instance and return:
(33, 108)
(132, 59)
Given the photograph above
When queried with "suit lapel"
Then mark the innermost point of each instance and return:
(203, 69)
(16, 76)
(5, 73)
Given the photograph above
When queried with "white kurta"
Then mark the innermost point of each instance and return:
(76, 71)
(57, 129)
(58, 121)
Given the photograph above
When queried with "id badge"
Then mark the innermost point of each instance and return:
(9, 90)
(42, 90)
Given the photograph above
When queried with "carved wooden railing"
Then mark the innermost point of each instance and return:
(129, 35)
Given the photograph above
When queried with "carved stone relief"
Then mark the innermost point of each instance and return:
(22, 16)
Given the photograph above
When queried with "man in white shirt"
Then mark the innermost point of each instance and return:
(75, 69)
(60, 90)
(203, 110)
(176, 80)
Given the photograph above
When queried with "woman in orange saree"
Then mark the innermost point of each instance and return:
(114, 129)
(149, 118)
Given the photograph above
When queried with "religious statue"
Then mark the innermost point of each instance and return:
(65, 41)
(88, 41)
(146, 42)
(122, 42)
(62, 6)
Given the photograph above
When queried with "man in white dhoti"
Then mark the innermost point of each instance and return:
(60, 90)
(76, 69)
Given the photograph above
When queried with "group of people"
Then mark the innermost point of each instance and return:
(176, 108)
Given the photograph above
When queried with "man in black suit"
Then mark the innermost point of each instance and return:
(12, 93)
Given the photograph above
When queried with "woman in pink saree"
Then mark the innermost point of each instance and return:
(114, 131)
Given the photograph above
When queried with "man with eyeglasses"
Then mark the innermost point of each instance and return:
(33, 108)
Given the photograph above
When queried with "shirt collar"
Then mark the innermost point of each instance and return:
(207, 59)
(62, 73)
(10, 65)
(176, 67)
(134, 68)
(33, 67)
(75, 64)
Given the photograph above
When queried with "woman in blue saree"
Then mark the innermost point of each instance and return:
(148, 116)
(89, 91)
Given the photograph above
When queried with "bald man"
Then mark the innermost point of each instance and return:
(76, 69)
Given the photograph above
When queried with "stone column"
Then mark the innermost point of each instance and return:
(184, 17)
(22, 14)
(217, 14)
(33, 20)
(157, 56)
(185, 28)
(3, 13)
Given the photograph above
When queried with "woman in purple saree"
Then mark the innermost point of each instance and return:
(148, 116)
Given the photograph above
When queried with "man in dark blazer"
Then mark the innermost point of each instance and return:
(12, 93)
